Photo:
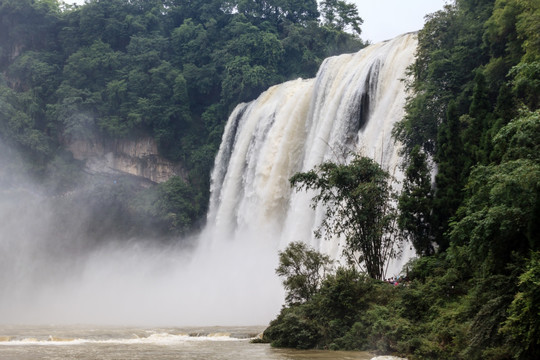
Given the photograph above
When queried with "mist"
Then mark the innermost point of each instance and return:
(52, 272)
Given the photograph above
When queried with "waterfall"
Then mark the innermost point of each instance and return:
(50, 273)
(351, 106)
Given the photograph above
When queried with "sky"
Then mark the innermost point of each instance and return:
(386, 19)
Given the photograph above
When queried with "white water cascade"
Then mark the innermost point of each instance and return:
(351, 105)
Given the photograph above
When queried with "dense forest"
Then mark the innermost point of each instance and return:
(169, 69)
(473, 120)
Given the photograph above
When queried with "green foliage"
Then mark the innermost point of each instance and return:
(519, 139)
(487, 303)
(522, 323)
(302, 270)
(358, 199)
(438, 69)
(293, 329)
(341, 15)
(176, 202)
(343, 293)
(276, 11)
(448, 112)
(172, 207)
(19, 129)
(500, 214)
(485, 208)
(451, 174)
(526, 84)
(333, 316)
(415, 203)
(26, 25)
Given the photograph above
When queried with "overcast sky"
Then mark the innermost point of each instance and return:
(385, 19)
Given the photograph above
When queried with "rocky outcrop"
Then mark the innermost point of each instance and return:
(138, 157)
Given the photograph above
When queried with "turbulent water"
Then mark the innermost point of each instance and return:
(83, 343)
(350, 107)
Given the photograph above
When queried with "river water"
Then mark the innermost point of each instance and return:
(104, 343)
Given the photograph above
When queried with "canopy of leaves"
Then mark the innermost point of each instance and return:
(415, 203)
(358, 200)
(302, 270)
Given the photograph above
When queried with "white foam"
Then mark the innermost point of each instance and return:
(154, 339)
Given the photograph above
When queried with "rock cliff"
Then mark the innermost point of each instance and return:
(137, 157)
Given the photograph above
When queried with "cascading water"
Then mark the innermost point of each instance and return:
(351, 106)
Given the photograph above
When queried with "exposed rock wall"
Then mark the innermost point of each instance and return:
(134, 157)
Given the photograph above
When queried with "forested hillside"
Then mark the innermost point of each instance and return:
(473, 120)
(172, 70)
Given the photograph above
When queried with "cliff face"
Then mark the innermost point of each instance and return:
(134, 157)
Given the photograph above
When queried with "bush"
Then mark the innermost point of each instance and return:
(293, 329)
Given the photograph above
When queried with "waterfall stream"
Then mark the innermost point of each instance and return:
(350, 107)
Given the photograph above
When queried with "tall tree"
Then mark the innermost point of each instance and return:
(360, 207)
(449, 179)
(416, 203)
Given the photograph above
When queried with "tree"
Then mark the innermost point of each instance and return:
(416, 203)
(499, 217)
(359, 206)
(479, 118)
(303, 270)
(522, 324)
(341, 15)
(450, 178)
(296, 11)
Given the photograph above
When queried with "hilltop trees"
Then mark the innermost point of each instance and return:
(341, 16)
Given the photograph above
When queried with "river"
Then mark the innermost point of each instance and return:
(104, 343)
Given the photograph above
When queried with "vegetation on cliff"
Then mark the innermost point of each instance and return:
(473, 117)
